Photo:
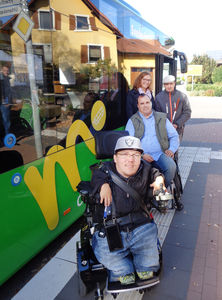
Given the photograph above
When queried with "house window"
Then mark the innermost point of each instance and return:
(82, 23)
(45, 20)
(95, 53)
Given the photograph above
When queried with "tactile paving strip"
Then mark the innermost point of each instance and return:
(187, 155)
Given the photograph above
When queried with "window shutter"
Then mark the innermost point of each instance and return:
(84, 54)
(57, 20)
(72, 22)
(35, 19)
(106, 52)
(93, 23)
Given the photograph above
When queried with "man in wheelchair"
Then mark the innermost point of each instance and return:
(159, 139)
(125, 240)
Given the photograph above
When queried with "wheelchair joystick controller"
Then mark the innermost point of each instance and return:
(162, 198)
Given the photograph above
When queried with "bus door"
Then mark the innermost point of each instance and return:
(164, 66)
(168, 66)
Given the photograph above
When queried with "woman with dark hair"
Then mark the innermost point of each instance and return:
(142, 85)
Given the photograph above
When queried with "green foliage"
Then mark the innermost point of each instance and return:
(189, 87)
(208, 64)
(217, 74)
(206, 89)
(218, 90)
(26, 113)
(101, 68)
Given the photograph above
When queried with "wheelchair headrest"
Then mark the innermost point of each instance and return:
(106, 141)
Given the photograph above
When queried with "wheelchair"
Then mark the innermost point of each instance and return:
(91, 274)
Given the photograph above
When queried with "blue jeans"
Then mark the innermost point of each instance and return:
(139, 253)
(5, 110)
(167, 166)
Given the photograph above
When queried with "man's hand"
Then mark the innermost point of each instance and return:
(169, 153)
(156, 184)
(105, 194)
(175, 126)
(148, 158)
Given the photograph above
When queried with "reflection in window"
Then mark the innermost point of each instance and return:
(95, 53)
(43, 66)
(45, 20)
(82, 23)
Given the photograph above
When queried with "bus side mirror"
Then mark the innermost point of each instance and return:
(183, 63)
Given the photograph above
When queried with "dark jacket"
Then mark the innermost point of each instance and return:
(131, 102)
(6, 91)
(178, 109)
(141, 181)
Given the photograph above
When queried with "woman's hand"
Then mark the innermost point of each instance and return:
(105, 194)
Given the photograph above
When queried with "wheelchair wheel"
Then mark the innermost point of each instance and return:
(98, 293)
(96, 297)
(177, 200)
(82, 289)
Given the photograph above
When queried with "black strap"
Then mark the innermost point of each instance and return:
(124, 186)
(133, 193)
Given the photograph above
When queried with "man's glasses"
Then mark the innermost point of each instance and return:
(127, 155)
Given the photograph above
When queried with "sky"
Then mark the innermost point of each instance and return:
(195, 25)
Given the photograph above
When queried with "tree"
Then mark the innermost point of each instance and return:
(208, 64)
(100, 68)
(217, 74)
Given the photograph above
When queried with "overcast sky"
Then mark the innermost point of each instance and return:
(195, 25)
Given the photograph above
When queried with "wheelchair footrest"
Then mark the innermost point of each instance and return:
(117, 287)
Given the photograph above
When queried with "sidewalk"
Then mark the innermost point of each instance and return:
(193, 247)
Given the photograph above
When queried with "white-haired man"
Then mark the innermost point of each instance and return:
(174, 103)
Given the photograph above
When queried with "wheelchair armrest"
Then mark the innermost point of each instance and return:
(85, 190)
(84, 185)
